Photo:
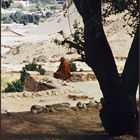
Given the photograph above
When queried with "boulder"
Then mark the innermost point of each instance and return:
(37, 109)
(82, 76)
(79, 97)
(35, 82)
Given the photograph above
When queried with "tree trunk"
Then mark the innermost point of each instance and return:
(121, 115)
(119, 107)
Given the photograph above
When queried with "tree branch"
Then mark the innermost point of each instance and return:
(73, 45)
(130, 75)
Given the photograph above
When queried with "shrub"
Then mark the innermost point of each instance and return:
(72, 66)
(17, 5)
(49, 1)
(18, 85)
(34, 67)
(42, 20)
(25, 18)
(48, 14)
(31, 66)
(14, 86)
(24, 22)
(53, 7)
(32, 7)
(35, 22)
(6, 19)
(18, 16)
(41, 70)
(13, 17)
(5, 4)
(37, 17)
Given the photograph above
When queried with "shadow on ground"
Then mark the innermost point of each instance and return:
(91, 136)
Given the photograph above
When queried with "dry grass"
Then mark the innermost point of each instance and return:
(7, 78)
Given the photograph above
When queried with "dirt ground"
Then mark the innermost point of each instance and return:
(64, 124)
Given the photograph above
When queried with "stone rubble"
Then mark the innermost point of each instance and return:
(56, 107)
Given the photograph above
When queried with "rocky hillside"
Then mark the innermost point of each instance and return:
(36, 43)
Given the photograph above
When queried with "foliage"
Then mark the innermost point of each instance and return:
(34, 67)
(14, 86)
(49, 1)
(72, 66)
(6, 19)
(48, 14)
(39, 5)
(32, 7)
(41, 1)
(6, 3)
(53, 8)
(129, 6)
(16, 5)
(18, 85)
(75, 40)
(109, 7)
(35, 22)
(31, 67)
(20, 17)
(42, 20)
(41, 71)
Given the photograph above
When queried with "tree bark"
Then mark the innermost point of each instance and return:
(119, 106)
(123, 113)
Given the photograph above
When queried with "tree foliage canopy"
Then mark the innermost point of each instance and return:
(130, 7)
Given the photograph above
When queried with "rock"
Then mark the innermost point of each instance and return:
(34, 94)
(59, 105)
(65, 104)
(82, 76)
(25, 94)
(97, 101)
(35, 82)
(30, 94)
(74, 108)
(75, 97)
(39, 94)
(42, 93)
(14, 95)
(84, 106)
(53, 92)
(20, 95)
(8, 113)
(90, 104)
(51, 110)
(42, 100)
(34, 111)
(9, 94)
(41, 58)
(79, 105)
(3, 111)
(48, 106)
(3, 95)
(49, 92)
(15, 51)
(37, 109)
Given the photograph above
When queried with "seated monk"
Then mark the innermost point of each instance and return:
(63, 70)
